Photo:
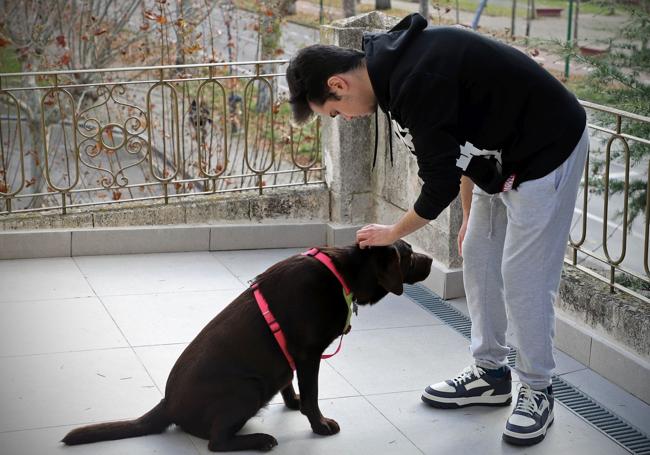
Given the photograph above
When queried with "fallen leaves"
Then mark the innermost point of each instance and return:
(65, 59)
(192, 49)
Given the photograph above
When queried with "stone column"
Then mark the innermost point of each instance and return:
(348, 145)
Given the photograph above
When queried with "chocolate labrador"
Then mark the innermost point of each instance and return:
(237, 363)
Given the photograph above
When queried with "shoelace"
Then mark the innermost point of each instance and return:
(471, 372)
(526, 402)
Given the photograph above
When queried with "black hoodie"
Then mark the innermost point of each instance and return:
(445, 86)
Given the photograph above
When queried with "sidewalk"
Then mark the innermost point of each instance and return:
(89, 339)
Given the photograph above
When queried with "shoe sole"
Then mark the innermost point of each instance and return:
(455, 403)
(529, 440)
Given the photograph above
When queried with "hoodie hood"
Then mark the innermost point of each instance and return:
(384, 51)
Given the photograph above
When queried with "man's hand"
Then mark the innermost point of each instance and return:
(461, 237)
(376, 235)
(466, 188)
(381, 234)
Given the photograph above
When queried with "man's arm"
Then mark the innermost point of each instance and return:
(466, 188)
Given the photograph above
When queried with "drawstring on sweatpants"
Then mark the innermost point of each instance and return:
(492, 202)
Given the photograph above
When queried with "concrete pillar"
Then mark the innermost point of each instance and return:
(348, 145)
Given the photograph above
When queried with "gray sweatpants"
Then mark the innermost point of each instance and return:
(513, 253)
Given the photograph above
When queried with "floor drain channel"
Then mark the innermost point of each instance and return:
(578, 402)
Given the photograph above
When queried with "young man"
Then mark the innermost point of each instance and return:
(443, 87)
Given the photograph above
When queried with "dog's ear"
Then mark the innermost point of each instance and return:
(389, 271)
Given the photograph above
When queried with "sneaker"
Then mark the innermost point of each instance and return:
(531, 418)
(473, 386)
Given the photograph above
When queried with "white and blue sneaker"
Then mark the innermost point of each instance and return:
(473, 386)
(531, 418)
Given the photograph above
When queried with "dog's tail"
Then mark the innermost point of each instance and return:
(154, 421)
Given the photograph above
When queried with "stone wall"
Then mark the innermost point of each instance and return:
(589, 301)
(309, 203)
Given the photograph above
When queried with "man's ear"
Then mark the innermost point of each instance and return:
(337, 84)
(389, 272)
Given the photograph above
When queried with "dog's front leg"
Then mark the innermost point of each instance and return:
(307, 370)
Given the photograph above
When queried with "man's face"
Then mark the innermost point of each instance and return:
(354, 102)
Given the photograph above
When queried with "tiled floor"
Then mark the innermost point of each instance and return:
(90, 339)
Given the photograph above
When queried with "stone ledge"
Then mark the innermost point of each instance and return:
(621, 317)
(309, 203)
(613, 361)
(608, 332)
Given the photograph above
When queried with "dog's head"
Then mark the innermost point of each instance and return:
(385, 269)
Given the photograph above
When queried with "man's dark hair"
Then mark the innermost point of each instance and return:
(309, 70)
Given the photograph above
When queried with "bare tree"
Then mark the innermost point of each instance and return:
(80, 34)
(63, 35)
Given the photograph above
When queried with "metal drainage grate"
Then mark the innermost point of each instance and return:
(576, 401)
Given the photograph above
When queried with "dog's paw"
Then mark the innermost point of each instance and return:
(256, 441)
(326, 427)
(266, 442)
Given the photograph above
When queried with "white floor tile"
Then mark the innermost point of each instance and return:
(73, 388)
(478, 430)
(46, 442)
(330, 385)
(166, 318)
(159, 360)
(390, 312)
(613, 397)
(47, 326)
(363, 431)
(155, 273)
(41, 279)
(247, 264)
(390, 360)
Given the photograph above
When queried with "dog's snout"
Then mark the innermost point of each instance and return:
(420, 269)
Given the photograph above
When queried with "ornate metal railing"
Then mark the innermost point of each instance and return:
(72, 139)
(606, 242)
(83, 138)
